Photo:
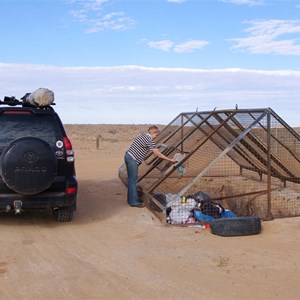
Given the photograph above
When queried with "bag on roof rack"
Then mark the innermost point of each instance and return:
(41, 97)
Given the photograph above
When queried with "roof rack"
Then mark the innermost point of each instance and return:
(12, 101)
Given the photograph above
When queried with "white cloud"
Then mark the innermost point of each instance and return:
(167, 45)
(164, 45)
(176, 1)
(79, 15)
(93, 4)
(265, 37)
(114, 21)
(190, 46)
(246, 2)
(140, 95)
(91, 14)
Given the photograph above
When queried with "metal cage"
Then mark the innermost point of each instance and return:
(246, 160)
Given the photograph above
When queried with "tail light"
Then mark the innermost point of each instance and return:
(69, 150)
(71, 190)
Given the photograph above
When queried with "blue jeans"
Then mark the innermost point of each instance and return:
(132, 174)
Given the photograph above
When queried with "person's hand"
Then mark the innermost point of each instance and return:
(172, 160)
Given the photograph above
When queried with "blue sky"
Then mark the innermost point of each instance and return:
(139, 61)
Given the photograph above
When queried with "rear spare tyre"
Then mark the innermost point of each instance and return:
(28, 165)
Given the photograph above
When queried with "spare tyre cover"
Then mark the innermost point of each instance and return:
(28, 165)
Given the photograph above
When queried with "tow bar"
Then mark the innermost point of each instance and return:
(17, 206)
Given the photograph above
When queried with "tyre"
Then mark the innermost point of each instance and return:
(28, 165)
(236, 226)
(63, 215)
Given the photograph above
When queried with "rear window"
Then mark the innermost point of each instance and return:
(43, 126)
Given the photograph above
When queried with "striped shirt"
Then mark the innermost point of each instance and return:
(141, 146)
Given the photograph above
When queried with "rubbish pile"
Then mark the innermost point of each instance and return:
(194, 208)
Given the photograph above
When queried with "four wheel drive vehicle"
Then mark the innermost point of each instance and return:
(37, 168)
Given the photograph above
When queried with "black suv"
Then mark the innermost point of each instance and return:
(37, 168)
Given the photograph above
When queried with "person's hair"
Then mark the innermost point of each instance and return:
(151, 128)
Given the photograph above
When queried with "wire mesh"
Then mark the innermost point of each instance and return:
(246, 161)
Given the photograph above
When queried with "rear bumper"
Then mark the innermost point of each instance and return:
(42, 201)
(57, 196)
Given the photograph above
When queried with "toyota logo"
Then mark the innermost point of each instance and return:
(31, 157)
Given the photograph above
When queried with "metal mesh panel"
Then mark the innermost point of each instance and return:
(246, 160)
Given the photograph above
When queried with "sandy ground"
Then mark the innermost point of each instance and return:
(113, 251)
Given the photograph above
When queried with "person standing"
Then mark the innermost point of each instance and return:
(134, 156)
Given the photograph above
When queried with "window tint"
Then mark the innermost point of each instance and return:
(13, 126)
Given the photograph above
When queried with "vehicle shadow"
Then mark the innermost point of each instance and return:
(97, 200)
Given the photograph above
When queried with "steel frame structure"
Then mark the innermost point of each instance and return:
(215, 144)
